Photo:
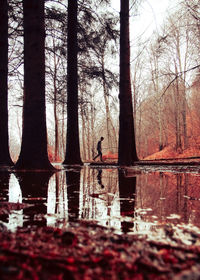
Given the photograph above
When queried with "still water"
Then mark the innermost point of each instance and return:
(158, 203)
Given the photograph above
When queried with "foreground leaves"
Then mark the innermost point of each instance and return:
(87, 251)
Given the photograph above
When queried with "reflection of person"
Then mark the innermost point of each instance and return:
(99, 149)
(99, 178)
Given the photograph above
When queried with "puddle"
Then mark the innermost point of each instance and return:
(157, 203)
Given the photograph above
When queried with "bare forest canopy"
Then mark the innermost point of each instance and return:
(165, 80)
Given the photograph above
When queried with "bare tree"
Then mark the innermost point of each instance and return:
(72, 155)
(127, 154)
(33, 153)
(5, 158)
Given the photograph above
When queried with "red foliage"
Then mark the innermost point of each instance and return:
(51, 154)
(170, 152)
(110, 156)
(193, 149)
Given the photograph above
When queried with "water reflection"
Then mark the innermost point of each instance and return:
(4, 193)
(73, 190)
(169, 197)
(34, 186)
(139, 203)
(14, 196)
(100, 204)
(99, 178)
(57, 200)
(127, 192)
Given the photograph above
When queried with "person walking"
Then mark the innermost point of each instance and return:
(99, 149)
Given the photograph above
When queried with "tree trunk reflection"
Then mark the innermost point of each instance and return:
(127, 190)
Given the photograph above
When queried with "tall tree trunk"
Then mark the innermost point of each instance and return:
(106, 100)
(134, 101)
(72, 155)
(111, 135)
(63, 130)
(88, 135)
(127, 154)
(160, 125)
(181, 67)
(33, 153)
(55, 91)
(83, 133)
(5, 158)
(159, 101)
(184, 112)
(178, 114)
(92, 129)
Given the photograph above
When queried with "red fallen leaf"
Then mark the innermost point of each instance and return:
(34, 276)
(57, 277)
(70, 260)
(71, 268)
(3, 258)
(57, 232)
(20, 276)
(162, 252)
(97, 259)
(130, 266)
(32, 255)
(5, 245)
(167, 256)
(153, 277)
(52, 254)
(25, 266)
(137, 276)
(110, 253)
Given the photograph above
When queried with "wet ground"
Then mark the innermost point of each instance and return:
(160, 203)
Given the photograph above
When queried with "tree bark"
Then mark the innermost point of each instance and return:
(83, 133)
(33, 153)
(72, 155)
(177, 110)
(127, 154)
(5, 158)
(55, 92)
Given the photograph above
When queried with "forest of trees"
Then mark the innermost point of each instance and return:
(165, 102)
(65, 57)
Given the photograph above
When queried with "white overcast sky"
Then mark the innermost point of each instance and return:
(150, 15)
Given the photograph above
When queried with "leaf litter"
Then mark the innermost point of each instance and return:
(87, 251)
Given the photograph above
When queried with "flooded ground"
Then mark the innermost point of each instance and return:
(161, 203)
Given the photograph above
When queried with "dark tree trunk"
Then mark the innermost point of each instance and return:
(127, 154)
(72, 155)
(33, 153)
(4, 146)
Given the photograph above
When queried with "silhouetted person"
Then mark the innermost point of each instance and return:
(99, 149)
